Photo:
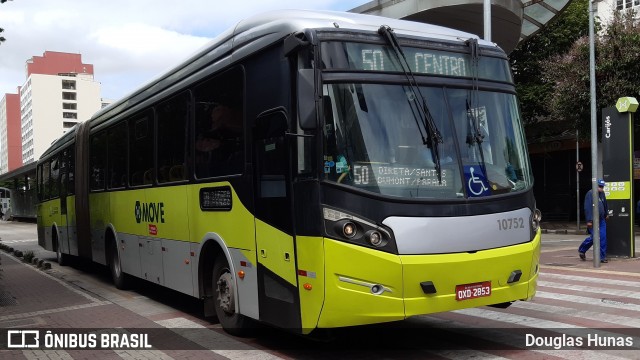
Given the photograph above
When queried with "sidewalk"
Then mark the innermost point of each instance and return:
(569, 227)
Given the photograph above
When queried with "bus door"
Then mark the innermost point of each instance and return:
(277, 280)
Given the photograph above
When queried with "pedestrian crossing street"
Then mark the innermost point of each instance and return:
(570, 303)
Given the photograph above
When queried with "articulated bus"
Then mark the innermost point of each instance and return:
(308, 170)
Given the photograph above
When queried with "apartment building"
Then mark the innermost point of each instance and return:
(59, 92)
(10, 135)
(605, 8)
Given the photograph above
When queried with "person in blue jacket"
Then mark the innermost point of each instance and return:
(603, 212)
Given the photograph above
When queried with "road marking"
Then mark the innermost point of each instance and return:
(213, 339)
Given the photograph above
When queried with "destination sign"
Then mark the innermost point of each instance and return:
(366, 174)
(375, 57)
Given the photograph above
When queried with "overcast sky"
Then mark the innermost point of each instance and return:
(129, 42)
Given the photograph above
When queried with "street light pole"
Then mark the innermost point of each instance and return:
(487, 20)
(595, 230)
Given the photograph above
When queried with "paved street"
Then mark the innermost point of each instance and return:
(574, 299)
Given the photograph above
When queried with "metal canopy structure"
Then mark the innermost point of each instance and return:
(512, 20)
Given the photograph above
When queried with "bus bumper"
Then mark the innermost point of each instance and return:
(364, 286)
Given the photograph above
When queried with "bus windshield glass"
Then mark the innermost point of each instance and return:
(373, 140)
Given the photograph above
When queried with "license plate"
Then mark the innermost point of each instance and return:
(472, 291)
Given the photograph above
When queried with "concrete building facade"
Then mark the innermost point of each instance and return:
(10, 136)
(605, 8)
(59, 92)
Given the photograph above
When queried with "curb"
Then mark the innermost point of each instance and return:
(563, 231)
(40, 264)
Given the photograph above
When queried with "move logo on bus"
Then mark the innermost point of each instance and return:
(149, 212)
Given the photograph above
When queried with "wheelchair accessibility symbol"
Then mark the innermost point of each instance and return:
(476, 181)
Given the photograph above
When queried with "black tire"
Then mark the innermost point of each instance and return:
(63, 259)
(224, 300)
(120, 279)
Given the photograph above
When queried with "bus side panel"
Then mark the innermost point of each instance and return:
(235, 227)
(446, 271)
(350, 273)
(124, 214)
(99, 214)
(310, 255)
(166, 219)
(244, 260)
(50, 211)
(41, 224)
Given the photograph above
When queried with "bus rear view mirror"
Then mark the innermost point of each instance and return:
(307, 99)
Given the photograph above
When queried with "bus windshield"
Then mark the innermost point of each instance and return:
(373, 141)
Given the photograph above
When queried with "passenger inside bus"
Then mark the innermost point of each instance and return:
(219, 141)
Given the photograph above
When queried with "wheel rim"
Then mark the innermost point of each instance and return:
(225, 293)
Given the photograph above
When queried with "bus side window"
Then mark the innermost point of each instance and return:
(98, 161)
(117, 161)
(219, 125)
(141, 149)
(173, 120)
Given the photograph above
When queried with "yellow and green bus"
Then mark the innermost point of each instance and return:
(308, 170)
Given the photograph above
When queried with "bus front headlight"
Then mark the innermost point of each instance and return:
(536, 217)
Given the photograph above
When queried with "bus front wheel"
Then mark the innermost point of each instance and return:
(224, 299)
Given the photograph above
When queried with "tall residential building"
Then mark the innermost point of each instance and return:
(605, 8)
(10, 136)
(59, 92)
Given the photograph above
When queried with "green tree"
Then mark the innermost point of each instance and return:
(2, 39)
(528, 59)
(617, 73)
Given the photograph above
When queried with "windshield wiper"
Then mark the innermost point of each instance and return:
(473, 110)
(424, 120)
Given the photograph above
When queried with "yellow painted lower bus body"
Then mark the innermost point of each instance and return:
(348, 277)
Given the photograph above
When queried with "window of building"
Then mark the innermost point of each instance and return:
(68, 125)
(70, 106)
(626, 4)
(172, 122)
(68, 95)
(69, 84)
(69, 115)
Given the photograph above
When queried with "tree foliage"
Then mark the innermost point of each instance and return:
(617, 73)
(528, 59)
(2, 39)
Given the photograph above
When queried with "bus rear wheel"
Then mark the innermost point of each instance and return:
(225, 302)
(63, 259)
(120, 279)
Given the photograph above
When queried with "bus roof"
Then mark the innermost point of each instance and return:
(261, 30)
